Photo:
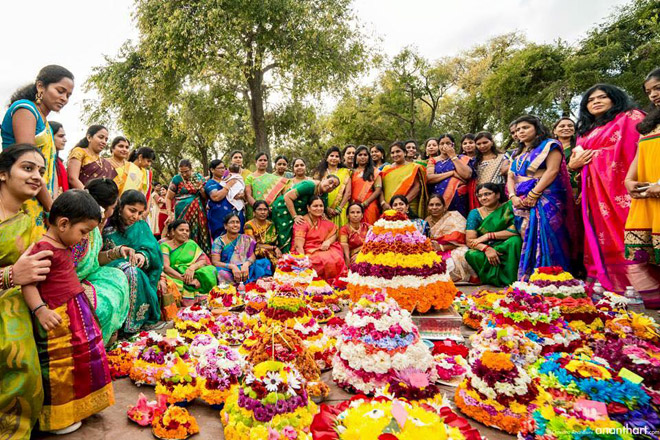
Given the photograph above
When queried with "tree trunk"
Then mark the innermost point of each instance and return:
(257, 116)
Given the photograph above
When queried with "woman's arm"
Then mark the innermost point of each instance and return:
(218, 195)
(504, 169)
(73, 170)
(631, 182)
(168, 203)
(169, 270)
(347, 195)
(248, 194)
(378, 189)
(553, 164)
(432, 177)
(463, 170)
(289, 197)
(299, 244)
(414, 191)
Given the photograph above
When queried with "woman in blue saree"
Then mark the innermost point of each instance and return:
(217, 204)
(233, 255)
(541, 195)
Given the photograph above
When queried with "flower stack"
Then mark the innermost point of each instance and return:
(378, 340)
(178, 382)
(399, 260)
(174, 423)
(635, 324)
(510, 340)
(286, 308)
(272, 403)
(320, 294)
(225, 296)
(193, 320)
(634, 354)
(154, 355)
(477, 306)
(256, 301)
(231, 330)
(120, 359)
(295, 270)
(450, 361)
(414, 385)
(218, 369)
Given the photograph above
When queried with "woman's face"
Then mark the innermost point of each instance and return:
(487, 197)
(132, 213)
(468, 146)
(109, 211)
(484, 145)
(445, 142)
(376, 155)
(143, 162)
(512, 132)
(355, 214)
(328, 184)
(237, 159)
(261, 213)
(185, 172)
(60, 139)
(316, 209)
(333, 159)
(432, 148)
(56, 95)
(652, 89)
(565, 129)
(25, 178)
(121, 150)
(162, 191)
(299, 168)
(411, 150)
(400, 206)
(99, 141)
(349, 155)
(525, 132)
(182, 233)
(398, 155)
(262, 163)
(362, 158)
(233, 226)
(598, 103)
(281, 166)
(436, 207)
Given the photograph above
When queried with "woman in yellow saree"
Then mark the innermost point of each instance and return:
(339, 197)
(404, 178)
(134, 168)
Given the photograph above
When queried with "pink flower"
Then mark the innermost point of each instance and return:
(273, 434)
(290, 433)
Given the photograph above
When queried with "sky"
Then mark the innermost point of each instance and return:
(79, 34)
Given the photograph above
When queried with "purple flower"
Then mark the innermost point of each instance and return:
(261, 415)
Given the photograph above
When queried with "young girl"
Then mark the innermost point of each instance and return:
(74, 366)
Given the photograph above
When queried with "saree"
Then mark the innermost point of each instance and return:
(454, 191)
(502, 219)
(488, 171)
(142, 282)
(188, 206)
(450, 230)
(281, 216)
(336, 196)
(547, 229)
(180, 260)
(605, 206)
(43, 140)
(399, 179)
(361, 190)
(238, 252)
(265, 187)
(354, 239)
(217, 211)
(91, 167)
(22, 395)
(329, 264)
(107, 287)
(263, 235)
(130, 176)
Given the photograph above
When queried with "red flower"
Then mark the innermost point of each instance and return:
(552, 270)
(616, 408)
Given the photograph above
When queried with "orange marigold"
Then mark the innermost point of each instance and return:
(497, 361)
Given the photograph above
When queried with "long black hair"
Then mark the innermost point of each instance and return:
(323, 165)
(621, 102)
(48, 75)
(130, 197)
(488, 135)
(91, 131)
(652, 119)
(368, 173)
(54, 128)
(145, 152)
(10, 155)
(541, 132)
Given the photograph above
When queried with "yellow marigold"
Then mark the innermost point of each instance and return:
(497, 361)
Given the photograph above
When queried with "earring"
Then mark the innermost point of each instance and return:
(39, 96)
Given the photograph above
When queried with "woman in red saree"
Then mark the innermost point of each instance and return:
(353, 234)
(607, 134)
(366, 185)
(316, 237)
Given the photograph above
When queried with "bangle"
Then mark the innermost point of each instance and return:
(535, 193)
(454, 158)
(34, 311)
(8, 277)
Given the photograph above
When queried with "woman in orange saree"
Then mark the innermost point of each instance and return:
(317, 238)
(353, 234)
(366, 185)
(404, 178)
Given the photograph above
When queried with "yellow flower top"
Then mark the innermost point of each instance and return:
(588, 369)
(261, 369)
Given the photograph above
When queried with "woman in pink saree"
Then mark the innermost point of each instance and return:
(606, 145)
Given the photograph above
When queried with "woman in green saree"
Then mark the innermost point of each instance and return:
(494, 242)
(185, 263)
(144, 268)
(262, 185)
(292, 205)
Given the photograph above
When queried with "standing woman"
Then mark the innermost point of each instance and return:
(236, 157)
(217, 204)
(25, 123)
(292, 205)
(353, 234)
(120, 149)
(85, 162)
(564, 132)
(187, 189)
(366, 185)
(448, 174)
(299, 173)
(430, 150)
(403, 178)
(490, 165)
(469, 146)
(59, 137)
(607, 132)
(348, 156)
(264, 233)
(540, 192)
(262, 185)
(22, 168)
(339, 197)
(281, 166)
(378, 156)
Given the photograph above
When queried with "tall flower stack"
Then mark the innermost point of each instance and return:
(295, 270)
(218, 369)
(377, 341)
(193, 320)
(397, 259)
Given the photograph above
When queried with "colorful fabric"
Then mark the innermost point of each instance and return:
(354, 239)
(142, 282)
(180, 260)
(217, 211)
(453, 190)
(74, 367)
(21, 391)
(189, 207)
(450, 230)
(91, 166)
(422, 226)
(574, 175)
(265, 234)
(361, 191)
(61, 283)
(265, 187)
(399, 179)
(109, 286)
(238, 252)
(43, 140)
(62, 176)
(545, 227)
(170, 300)
(130, 176)
(329, 264)
(337, 195)
(488, 171)
(280, 214)
(502, 219)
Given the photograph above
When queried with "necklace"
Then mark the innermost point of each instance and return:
(115, 163)
(56, 240)
(356, 230)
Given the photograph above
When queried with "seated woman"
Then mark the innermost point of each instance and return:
(316, 237)
(492, 236)
(233, 255)
(143, 269)
(187, 265)
(400, 204)
(264, 233)
(447, 233)
(353, 234)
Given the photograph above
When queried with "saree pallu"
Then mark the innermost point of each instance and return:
(450, 230)
(265, 187)
(361, 190)
(180, 260)
(170, 300)
(354, 239)
(454, 191)
(74, 367)
(188, 206)
(91, 167)
(108, 285)
(337, 195)
(502, 219)
(605, 205)
(131, 176)
(398, 180)
(547, 229)
(329, 264)
(280, 214)
(265, 234)
(21, 391)
(217, 211)
(238, 252)
(142, 282)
